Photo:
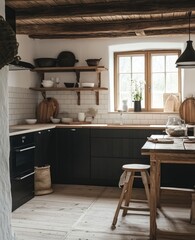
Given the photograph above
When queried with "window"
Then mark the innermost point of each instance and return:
(154, 72)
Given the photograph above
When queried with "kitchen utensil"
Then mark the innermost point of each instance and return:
(187, 110)
(81, 117)
(55, 120)
(87, 84)
(31, 121)
(67, 120)
(171, 102)
(9, 45)
(45, 62)
(66, 59)
(93, 62)
(176, 127)
(69, 85)
(47, 108)
(47, 84)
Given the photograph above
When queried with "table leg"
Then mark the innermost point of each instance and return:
(153, 170)
(158, 178)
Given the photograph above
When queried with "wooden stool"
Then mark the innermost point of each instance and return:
(129, 175)
(192, 217)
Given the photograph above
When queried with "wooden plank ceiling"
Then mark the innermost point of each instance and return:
(48, 19)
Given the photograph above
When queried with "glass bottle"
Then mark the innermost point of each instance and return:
(125, 107)
(176, 127)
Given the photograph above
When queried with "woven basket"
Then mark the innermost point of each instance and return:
(42, 180)
(8, 43)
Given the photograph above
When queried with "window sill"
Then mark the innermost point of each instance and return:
(144, 112)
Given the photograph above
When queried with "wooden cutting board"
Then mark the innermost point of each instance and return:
(77, 123)
(47, 108)
(187, 110)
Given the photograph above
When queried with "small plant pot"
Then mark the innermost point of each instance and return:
(137, 106)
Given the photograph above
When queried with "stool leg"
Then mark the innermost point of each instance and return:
(148, 177)
(145, 182)
(128, 193)
(119, 206)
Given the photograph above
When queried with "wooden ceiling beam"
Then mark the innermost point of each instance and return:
(154, 33)
(77, 36)
(176, 31)
(105, 9)
(114, 26)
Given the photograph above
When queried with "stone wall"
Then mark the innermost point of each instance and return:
(5, 193)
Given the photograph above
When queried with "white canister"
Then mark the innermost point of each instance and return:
(81, 117)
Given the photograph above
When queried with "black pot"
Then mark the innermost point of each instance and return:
(45, 62)
(93, 62)
(66, 59)
(137, 106)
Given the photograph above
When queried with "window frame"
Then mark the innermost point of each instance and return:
(148, 56)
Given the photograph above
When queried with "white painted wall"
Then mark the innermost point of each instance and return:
(5, 193)
(93, 48)
(24, 78)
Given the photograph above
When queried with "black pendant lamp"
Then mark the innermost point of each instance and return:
(187, 58)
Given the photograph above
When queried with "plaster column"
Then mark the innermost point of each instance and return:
(5, 193)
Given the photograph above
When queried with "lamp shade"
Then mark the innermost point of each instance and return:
(187, 58)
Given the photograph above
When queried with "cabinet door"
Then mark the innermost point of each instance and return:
(81, 155)
(73, 155)
(106, 171)
(64, 165)
(45, 147)
(112, 148)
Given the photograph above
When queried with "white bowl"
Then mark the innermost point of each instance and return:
(87, 84)
(55, 120)
(47, 81)
(48, 84)
(67, 120)
(31, 121)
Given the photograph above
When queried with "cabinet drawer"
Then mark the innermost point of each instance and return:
(21, 140)
(117, 147)
(112, 133)
(124, 133)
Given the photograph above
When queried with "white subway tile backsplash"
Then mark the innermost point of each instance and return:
(23, 104)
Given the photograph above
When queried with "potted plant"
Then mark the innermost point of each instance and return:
(137, 87)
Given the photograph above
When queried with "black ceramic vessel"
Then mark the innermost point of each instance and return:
(137, 106)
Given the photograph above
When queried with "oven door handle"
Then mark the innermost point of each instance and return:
(25, 176)
(25, 149)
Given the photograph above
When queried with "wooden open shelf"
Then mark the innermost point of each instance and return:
(77, 70)
(70, 69)
(77, 90)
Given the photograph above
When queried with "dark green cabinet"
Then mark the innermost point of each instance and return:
(112, 148)
(95, 156)
(73, 155)
(45, 147)
(45, 151)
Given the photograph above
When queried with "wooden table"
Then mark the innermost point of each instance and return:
(177, 152)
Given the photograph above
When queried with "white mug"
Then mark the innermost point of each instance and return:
(81, 117)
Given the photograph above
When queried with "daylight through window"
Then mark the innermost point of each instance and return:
(145, 76)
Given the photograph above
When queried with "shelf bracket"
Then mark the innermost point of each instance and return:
(78, 98)
(43, 93)
(97, 98)
(99, 79)
(77, 75)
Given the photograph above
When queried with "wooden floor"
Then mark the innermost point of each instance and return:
(86, 212)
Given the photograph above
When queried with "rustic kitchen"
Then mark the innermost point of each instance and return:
(91, 117)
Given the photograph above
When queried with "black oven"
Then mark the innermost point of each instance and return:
(22, 150)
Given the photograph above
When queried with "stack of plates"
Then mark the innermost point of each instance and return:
(87, 85)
